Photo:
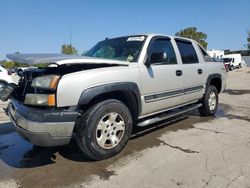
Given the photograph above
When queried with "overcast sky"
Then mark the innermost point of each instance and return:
(42, 26)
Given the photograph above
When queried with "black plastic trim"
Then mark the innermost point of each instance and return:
(192, 89)
(171, 94)
(44, 115)
(90, 93)
(165, 95)
(212, 76)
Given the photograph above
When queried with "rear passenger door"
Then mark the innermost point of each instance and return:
(193, 71)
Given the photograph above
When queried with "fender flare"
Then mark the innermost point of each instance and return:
(212, 76)
(126, 87)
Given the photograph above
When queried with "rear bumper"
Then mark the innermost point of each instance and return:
(42, 127)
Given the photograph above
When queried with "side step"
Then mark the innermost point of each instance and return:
(168, 115)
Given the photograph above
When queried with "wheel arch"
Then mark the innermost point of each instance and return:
(215, 80)
(126, 92)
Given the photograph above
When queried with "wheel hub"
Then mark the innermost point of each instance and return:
(110, 130)
(212, 101)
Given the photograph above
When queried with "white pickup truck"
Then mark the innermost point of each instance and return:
(120, 83)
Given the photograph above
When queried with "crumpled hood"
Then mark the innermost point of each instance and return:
(61, 59)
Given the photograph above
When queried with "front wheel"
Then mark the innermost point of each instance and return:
(209, 101)
(104, 130)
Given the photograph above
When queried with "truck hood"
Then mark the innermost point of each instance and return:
(61, 59)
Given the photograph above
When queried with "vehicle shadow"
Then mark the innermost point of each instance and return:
(18, 153)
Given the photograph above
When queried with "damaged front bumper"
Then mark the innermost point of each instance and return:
(42, 127)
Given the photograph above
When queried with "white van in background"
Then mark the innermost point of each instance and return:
(233, 60)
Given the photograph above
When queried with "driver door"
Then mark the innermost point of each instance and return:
(161, 78)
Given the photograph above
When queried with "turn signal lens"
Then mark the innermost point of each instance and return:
(51, 100)
(54, 82)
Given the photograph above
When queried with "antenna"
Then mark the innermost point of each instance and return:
(70, 35)
(70, 39)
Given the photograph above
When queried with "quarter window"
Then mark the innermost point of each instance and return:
(188, 54)
(206, 57)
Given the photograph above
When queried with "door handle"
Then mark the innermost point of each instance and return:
(178, 73)
(199, 71)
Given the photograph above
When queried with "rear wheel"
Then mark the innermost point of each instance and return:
(103, 130)
(209, 101)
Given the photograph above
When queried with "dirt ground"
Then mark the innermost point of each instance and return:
(188, 151)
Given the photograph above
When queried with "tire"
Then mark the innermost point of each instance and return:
(209, 101)
(104, 129)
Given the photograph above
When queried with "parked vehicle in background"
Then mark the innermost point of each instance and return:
(233, 60)
(121, 83)
(227, 62)
(5, 77)
(243, 63)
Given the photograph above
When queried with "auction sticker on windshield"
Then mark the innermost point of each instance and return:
(140, 38)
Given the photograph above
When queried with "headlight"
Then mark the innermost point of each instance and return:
(40, 99)
(46, 82)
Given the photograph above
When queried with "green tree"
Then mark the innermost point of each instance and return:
(248, 40)
(68, 49)
(9, 64)
(191, 32)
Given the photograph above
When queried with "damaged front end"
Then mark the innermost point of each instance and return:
(38, 86)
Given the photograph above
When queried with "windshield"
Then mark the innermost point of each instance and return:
(123, 48)
(226, 60)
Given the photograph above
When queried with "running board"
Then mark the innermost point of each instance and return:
(168, 115)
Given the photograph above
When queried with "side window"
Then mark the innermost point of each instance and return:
(187, 51)
(163, 45)
(206, 57)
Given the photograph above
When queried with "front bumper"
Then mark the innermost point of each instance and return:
(42, 127)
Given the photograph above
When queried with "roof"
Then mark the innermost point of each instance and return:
(60, 59)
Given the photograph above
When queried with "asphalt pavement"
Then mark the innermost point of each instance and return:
(188, 151)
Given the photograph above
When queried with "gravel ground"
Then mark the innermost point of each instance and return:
(189, 151)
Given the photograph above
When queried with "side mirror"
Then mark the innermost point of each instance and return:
(157, 57)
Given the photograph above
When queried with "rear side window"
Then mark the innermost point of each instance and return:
(188, 54)
(206, 57)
